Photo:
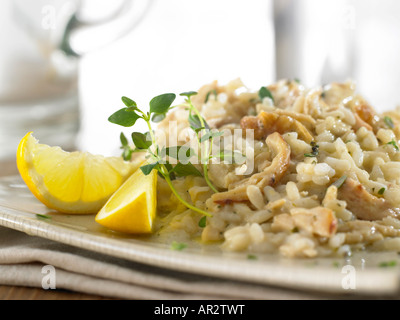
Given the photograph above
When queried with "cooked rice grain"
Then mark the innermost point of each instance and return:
(302, 214)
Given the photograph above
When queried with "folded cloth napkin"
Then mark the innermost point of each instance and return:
(25, 261)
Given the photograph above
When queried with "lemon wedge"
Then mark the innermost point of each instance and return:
(132, 208)
(70, 182)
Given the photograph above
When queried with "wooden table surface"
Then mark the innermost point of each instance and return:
(28, 293)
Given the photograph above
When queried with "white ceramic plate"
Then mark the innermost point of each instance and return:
(361, 273)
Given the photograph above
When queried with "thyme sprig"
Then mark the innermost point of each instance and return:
(205, 136)
(146, 142)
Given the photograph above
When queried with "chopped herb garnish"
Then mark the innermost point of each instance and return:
(394, 144)
(178, 246)
(252, 257)
(314, 152)
(203, 222)
(297, 80)
(386, 264)
(381, 191)
(211, 92)
(388, 121)
(265, 93)
(43, 216)
(310, 155)
(339, 182)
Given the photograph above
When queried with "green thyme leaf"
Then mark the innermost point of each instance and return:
(124, 117)
(195, 123)
(146, 169)
(123, 139)
(141, 141)
(188, 94)
(265, 93)
(160, 104)
(128, 102)
(388, 121)
(188, 169)
(127, 153)
(203, 222)
(127, 150)
(158, 117)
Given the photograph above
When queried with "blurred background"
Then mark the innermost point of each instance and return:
(64, 64)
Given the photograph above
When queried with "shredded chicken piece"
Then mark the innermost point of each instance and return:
(320, 221)
(360, 123)
(364, 205)
(266, 123)
(268, 177)
(304, 119)
(365, 116)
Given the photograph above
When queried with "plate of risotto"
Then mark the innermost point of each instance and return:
(307, 197)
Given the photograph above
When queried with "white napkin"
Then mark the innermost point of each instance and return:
(31, 261)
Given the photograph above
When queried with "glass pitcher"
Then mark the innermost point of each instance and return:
(41, 42)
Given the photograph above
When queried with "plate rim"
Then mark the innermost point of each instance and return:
(327, 280)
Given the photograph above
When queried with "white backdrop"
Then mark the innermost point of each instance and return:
(179, 46)
(183, 44)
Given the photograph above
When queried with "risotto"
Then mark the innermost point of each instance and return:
(324, 179)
